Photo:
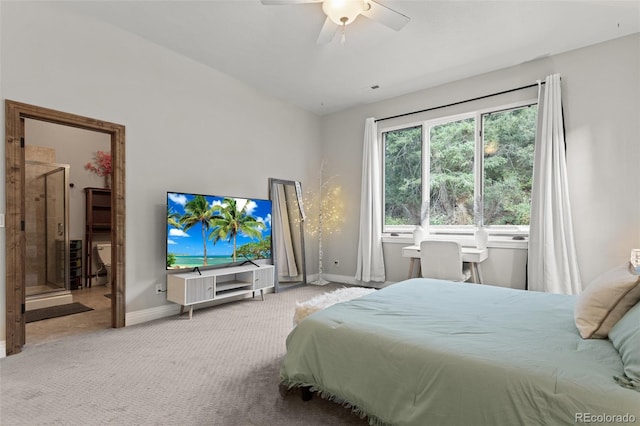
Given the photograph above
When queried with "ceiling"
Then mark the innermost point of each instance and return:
(273, 48)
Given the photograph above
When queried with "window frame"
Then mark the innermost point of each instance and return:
(478, 170)
(402, 229)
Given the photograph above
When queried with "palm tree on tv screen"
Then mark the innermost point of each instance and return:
(227, 221)
(197, 211)
(173, 218)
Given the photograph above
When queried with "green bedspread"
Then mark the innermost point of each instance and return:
(429, 352)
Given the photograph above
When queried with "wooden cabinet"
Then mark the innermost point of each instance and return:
(190, 288)
(97, 222)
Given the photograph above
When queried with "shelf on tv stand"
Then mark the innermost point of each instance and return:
(192, 288)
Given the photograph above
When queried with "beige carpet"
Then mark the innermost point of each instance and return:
(220, 368)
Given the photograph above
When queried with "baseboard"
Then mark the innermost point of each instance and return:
(138, 317)
(3, 348)
(342, 279)
(346, 279)
(311, 278)
(334, 278)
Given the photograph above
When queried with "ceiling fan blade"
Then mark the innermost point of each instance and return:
(327, 32)
(280, 2)
(386, 16)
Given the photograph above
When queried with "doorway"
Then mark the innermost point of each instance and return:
(16, 113)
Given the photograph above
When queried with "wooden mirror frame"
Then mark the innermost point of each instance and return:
(15, 113)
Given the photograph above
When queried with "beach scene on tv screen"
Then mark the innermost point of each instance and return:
(205, 230)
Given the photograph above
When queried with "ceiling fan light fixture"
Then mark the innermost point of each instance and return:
(343, 12)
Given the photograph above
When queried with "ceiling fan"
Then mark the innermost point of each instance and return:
(341, 13)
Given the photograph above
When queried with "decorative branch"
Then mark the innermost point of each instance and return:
(328, 204)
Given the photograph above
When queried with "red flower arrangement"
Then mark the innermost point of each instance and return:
(102, 164)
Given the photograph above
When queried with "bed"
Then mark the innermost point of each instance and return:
(431, 352)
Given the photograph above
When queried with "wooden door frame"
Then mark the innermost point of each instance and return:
(15, 113)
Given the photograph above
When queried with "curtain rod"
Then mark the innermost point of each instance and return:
(461, 102)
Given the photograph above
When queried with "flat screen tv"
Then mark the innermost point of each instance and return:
(216, 231)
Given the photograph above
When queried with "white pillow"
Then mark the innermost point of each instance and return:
(605, 300)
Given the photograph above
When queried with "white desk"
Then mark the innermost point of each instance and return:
(469, 254)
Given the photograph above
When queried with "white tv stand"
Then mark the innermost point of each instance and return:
(190, 288)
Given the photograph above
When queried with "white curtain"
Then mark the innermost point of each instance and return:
(370, 265)
(553, 265)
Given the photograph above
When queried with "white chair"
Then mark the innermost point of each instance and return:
(443, 260)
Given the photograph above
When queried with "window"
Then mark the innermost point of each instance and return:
(403, 176)
(450, 174)
(455, 172)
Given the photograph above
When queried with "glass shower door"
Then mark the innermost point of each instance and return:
(56, 238)
(47, 266)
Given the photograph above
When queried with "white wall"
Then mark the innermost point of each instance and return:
(601, 96)
(188, 127)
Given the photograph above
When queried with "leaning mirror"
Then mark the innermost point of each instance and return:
(287, 238)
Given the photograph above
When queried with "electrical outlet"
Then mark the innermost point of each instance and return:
(158, 288)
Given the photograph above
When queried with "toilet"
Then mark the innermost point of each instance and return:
(104, 259)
